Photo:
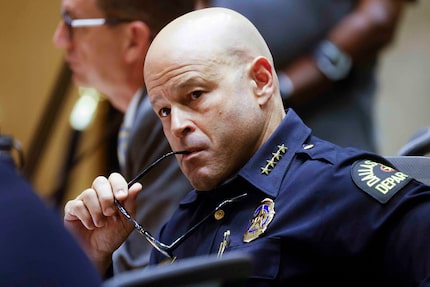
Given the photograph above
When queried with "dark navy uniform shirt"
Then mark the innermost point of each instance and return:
(314, 214)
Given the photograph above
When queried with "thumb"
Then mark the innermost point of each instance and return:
(133, 192)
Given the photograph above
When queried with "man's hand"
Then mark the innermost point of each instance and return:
(95, 221)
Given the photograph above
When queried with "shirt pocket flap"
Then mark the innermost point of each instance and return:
(265, 254)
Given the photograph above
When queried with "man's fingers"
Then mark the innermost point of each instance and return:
(94, 205)
(119, 186)
(135, 189)
(75, 210)
(104, 192)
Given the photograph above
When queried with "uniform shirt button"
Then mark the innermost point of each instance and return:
(219, 214)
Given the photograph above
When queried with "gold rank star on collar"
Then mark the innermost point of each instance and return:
(276, 156)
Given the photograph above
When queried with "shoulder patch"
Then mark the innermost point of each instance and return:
(379, 181)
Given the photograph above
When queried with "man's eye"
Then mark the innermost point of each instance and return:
(164, 112)
(196, 94)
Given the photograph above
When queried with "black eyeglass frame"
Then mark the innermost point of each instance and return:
(167, 249)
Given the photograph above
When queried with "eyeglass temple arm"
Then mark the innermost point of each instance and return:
(175, 244)
(146, 170)
(154, 242)
(161, 247)
(164, 249)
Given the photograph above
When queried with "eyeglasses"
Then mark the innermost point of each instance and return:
(167, 249)
(90, 22)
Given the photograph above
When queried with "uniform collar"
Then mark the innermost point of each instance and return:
(267, 168)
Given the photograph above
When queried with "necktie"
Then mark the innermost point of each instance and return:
(123, 135)
(126, 129)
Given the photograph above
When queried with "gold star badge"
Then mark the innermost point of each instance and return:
(282, 148)
(271, 163)
(265, 170)
(276, 156)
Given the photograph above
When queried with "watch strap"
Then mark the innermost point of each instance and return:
(332, 61)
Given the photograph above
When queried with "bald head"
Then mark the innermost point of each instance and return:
(210, 78)
(213, 33)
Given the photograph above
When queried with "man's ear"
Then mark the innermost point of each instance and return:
(138, 41)
(262, 75)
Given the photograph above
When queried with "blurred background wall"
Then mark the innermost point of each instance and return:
(30, 66)
(404, 75)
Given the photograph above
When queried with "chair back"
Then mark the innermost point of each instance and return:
(232, 269)
(417, 167)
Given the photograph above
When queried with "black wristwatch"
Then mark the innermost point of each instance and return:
(332, 61)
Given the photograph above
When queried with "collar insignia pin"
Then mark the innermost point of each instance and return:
(263, 215)
(276, 156)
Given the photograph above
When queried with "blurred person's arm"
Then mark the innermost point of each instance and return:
(359, 36)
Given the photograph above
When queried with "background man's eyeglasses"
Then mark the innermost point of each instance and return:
(90, 22)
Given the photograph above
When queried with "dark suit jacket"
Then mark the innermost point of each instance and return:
(35, 248)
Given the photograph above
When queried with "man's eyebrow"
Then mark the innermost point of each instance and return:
(190, 82)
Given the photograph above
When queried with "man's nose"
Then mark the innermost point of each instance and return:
(180, 122)
(61, 37)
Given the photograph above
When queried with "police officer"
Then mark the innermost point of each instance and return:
(308, 211)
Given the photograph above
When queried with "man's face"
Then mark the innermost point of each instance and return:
(93, 53)
(207, 107)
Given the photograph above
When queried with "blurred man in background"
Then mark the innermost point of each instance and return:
(105, 43)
